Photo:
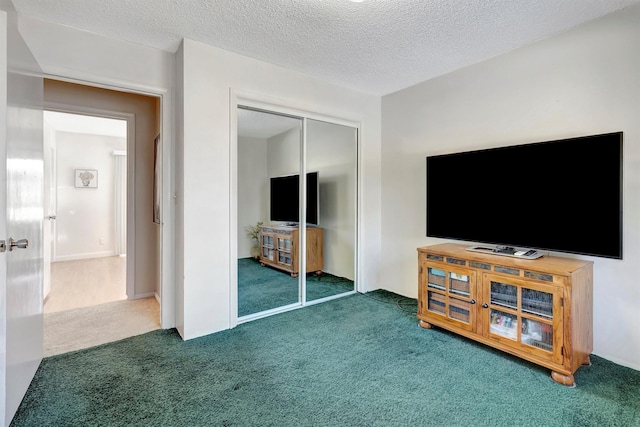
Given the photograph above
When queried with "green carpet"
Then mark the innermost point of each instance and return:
(263, 288)
(353, 361)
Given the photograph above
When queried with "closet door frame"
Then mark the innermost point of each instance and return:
(275, 106)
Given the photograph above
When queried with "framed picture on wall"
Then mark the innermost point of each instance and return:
(157, 184)
(86, 178)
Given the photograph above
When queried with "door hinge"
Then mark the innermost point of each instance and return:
(420, 269)
(562, 351)
(3, 246)
(562, 302)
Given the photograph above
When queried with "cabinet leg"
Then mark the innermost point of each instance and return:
(319, 273)
(563, 379)
(587, 361)
(262, 264)
(294, 275)
(425, 325)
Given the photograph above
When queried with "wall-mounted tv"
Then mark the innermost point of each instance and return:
(563, 195)
(284, 198)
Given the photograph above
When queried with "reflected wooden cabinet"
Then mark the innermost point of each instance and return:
(279, 248)
(539, 310)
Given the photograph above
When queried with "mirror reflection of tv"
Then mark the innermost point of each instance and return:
(284, 198)
(563, 195)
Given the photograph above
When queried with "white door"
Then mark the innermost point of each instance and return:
(21, 217)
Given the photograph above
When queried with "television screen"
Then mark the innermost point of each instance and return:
(563, 195)
(284, 198)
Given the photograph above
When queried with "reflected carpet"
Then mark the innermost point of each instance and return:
(263, 288)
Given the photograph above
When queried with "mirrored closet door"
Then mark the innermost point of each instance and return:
(296, 211)
(331, 159)
(267, 208)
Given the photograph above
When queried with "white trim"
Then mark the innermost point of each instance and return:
(302, 216)
(249, 100)
(131, 148)
(359, 287)
(146, 295)
(87, 255)
(270, 104)
(233, 210)
(107, 83)
(290, 307)
(167, 236)
(267, 313)
(329, 298)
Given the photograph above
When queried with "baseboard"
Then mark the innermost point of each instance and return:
(147, 295)
(84, 256)
(619, 361)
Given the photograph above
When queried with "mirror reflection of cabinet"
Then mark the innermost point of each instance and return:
(279, 249)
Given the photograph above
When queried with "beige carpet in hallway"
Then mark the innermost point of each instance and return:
(86, 327)
(86, 282)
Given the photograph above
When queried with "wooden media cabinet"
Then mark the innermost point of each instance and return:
(539, 310)
(279, 248)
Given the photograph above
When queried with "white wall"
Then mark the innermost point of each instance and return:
(584, 81)
(85, 224)
(207, 76)
(283, 153)
(253, 189)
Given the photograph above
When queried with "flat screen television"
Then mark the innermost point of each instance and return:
(284, 198)
(563, 195)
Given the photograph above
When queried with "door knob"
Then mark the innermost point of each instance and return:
(20, 244)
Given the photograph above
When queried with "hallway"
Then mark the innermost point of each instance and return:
(87, 306)
(86, 282)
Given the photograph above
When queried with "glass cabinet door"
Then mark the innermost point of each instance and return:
(284, 251)
(451, 294)
(537, 322)
(526, 314)
(503, 307)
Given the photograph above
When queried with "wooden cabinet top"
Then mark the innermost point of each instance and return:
(286, 228)
(550, 264)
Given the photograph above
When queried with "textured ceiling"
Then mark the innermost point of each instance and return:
(376, 46)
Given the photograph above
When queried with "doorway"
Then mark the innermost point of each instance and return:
(116, 260)
(85, 238)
